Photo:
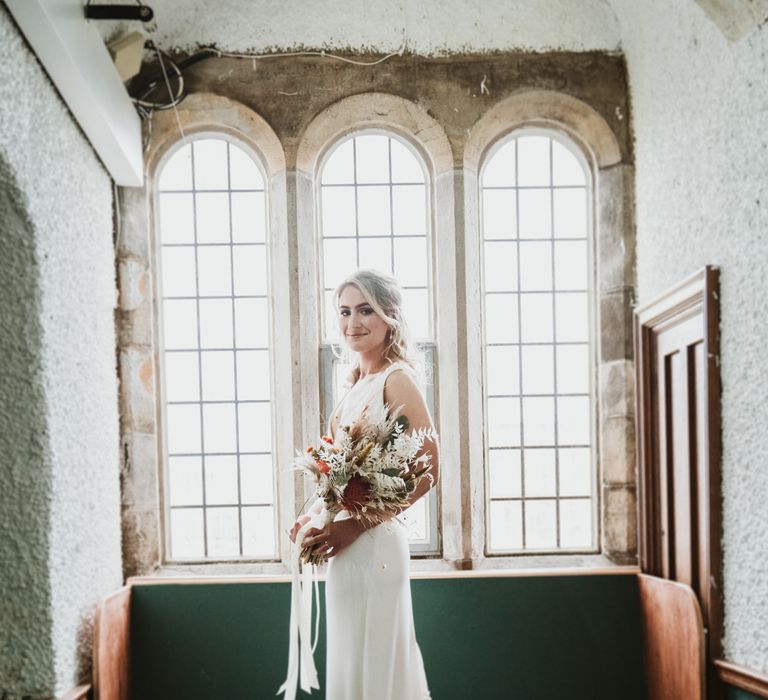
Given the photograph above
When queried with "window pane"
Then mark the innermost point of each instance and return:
(540, 473)
(373, 211)
(411, 267)
(573, 369)
(504, 473)
(500, 263)
(179, 324)
(500, 168)
(339, 260)
(215, 323)
(251, 323)
(503, 422)
(223, 532)
(575, 471)
(535, 213)
(178, 272)
(571, 266)
(533, 161)
(243, 171)
(409, 210)
(372, 158)
(331, 318)
(255, 426)
(573, 416)
(212, 213)
(538, 369)
(416, 310)
(571, 316)
(219, 427)
(177, 171)
(499, 214)
(249, 222)
(185, 485)
(182, 378)
(177, 221)
(214, 265)
(549, 280)
(576, 523)
(183, 423)
(258, 532)
(338, 206)
(224, 259)
(405, 165)
(566, 169)
(415, 520)
(211, 169)
(501, 323)
(187, 533)
(374, 253)
(538, 421)
(540, 525)
(506, 525)
(502, 369)
(221, 480)
(535, 266)
(218, 375)
(256, 481)
(339, 167)
(570, 213)
(249, 269)
(253, 381)
(536, 318)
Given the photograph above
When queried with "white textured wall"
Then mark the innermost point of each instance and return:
(63, 475)
(700, 112)
(428, 26)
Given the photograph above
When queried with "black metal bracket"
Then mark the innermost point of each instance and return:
(141, 13)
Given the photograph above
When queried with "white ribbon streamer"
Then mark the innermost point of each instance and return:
(301, 662)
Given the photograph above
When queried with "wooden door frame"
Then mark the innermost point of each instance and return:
(697, 294)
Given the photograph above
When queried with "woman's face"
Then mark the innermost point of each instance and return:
(361, 327)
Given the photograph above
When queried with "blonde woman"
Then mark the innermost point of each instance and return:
(372, 653)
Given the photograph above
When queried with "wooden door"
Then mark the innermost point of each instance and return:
(678, 412)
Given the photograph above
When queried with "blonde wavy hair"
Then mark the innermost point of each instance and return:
(383, 293)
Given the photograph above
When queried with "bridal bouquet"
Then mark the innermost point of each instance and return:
(369, 472)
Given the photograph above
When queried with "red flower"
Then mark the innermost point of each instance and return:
(328, 439)
(356, 494)
(323, 466)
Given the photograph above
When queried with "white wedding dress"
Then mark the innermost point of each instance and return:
(372, 653)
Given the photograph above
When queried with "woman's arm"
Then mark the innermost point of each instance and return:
(401, 392)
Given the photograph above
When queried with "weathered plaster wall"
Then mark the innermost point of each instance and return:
(428, 27)
(59, 444)
(699, 114)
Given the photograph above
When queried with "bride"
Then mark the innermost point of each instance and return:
(372, 652)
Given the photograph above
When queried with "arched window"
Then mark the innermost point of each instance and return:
(374, 213)
(213, 294)
(538, 349)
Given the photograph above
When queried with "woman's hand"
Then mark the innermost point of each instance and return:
(300, 522)
(334, 537)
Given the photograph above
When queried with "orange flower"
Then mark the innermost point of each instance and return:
(323, 466)
(310, 449)
(328, 439)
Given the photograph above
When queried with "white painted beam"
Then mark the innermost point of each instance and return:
(77, 61)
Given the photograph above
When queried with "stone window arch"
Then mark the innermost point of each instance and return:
(613, 249)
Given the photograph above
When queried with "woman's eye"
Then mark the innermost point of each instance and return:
(367, 312)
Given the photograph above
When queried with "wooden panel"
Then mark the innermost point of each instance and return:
(743, 678)
(673, 640)
(678, 449)
(111, 647)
